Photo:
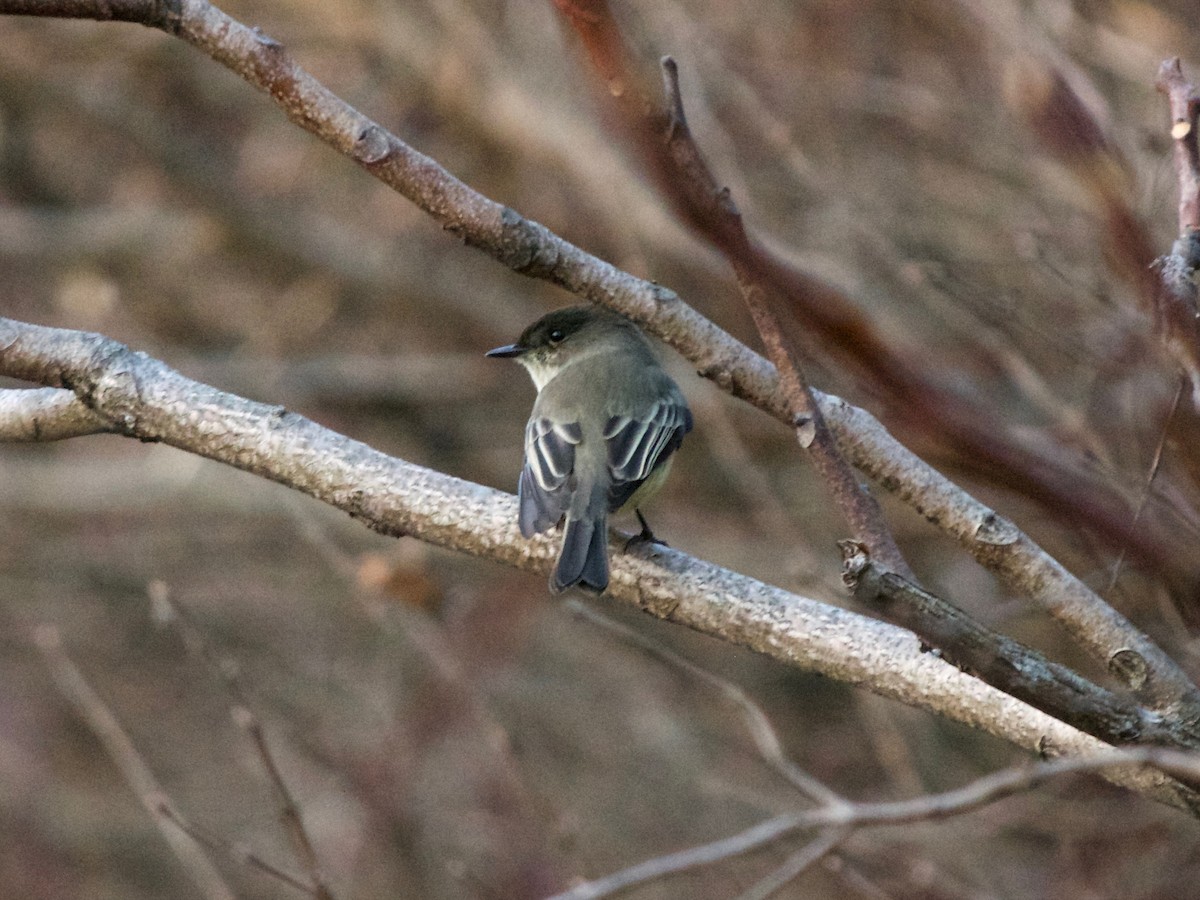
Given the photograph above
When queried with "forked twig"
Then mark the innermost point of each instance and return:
(244, 717)
(129, 762)
(239, 854)
(845, 817)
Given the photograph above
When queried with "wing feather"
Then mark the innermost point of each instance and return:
(544, 488)
(637, 445)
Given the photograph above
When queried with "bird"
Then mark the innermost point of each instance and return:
(600, 439)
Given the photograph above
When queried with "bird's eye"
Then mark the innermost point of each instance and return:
(556, 336)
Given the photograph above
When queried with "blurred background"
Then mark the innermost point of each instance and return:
(447, 728)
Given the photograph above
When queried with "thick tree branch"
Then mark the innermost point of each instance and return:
(143, 398)
(996, 542)
(45, 414)
(1007, 664)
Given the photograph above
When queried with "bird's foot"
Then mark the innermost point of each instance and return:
(645, 536)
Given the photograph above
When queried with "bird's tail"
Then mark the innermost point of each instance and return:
(583, 560)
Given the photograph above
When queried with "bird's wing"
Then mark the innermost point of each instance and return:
(637, 445)
(546, 483)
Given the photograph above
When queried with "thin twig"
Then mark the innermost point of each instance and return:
(1184, 107)
(1178, 304)
(289, 809)
(238, 853)
(797, 864)
(1155, 462)
(845, 817)
(245, 718)
(765, 738)
(116, 743)
(703, 855)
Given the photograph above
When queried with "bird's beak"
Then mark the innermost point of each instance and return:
(506, 351)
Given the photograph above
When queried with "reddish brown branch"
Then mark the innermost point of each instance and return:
(1178, 301)
(659, 136)
(1068, 131)
(835, 327)
(716, 207)
(1184, 106)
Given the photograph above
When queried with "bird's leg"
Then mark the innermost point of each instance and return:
(645, 536)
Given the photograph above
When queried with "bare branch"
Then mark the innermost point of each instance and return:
(143, 398)
(1002, 784)
(704, 855)
(237, 853)
(154, 13)
(246, 719)
(1052, 475)
(1008, 664)
(997, 543)
(756, 721)
(1179, 302)
(797, 864)
(45, 414)
(530, 248)
(1184, 106)
(108, 731)
(861, 510)
(1155, 464)
(844, 817)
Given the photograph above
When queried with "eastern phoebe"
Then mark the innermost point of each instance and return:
(604, 425)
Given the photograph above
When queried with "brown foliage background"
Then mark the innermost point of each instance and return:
(448, 729)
